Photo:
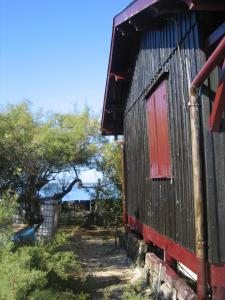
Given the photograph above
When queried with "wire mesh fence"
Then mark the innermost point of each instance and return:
(50, 214)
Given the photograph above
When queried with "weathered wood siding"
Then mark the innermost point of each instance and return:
(214, 155)
(166, 204)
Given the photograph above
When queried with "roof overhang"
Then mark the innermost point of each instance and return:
(127, 26)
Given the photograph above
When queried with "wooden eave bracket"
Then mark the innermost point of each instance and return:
(106, 131)
(195, 5)
(117, 77)
(219, 104)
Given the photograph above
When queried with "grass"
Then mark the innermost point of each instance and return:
(138, 291)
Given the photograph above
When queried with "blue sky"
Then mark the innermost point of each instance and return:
(55, 52)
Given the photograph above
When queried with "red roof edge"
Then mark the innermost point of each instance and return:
(108, 75)
(133, 9)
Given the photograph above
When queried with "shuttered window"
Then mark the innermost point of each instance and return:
(158, 133)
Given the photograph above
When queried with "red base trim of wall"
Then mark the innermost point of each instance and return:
(177, 252)
(172, 249)
(168, 275)
(217, 275)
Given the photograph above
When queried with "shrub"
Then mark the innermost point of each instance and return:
(8, 207)
(49, 294)
(25, 270)
(17, 276)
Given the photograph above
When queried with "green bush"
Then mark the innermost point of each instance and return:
(138, 291)
(8, 207)
(26, 269)
(17, 276)
(49, 294)
(26, 272)
(133, 292)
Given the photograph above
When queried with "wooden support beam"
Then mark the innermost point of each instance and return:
(195, 5)
(219, 104)
(106, 132)
(207, 7)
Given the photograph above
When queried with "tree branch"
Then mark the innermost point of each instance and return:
(59, 196)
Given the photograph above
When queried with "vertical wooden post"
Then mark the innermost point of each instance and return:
(123, 164)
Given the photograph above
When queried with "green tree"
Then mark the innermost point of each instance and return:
(8, 205)
(110, 164)
(106, 195)
(36, 147)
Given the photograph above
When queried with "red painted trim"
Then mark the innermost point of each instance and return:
(218, 293)
(117, 76)
(107, 79)
(207, 7)
(138, 6)
(169, 276)
(217, 273)
(133, 9)
(219, 104)
(215, 58)
(174, 250)
(105, 131)
(177, 252)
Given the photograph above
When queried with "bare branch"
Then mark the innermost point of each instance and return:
(65, 191)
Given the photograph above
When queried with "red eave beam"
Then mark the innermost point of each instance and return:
(219, 104)
(216, 57)
(196, 5)
(133, 9)
(108, 77)
(117, 76)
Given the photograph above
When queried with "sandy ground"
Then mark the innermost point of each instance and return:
(107, 269)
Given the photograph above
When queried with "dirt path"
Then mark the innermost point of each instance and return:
(108, 270)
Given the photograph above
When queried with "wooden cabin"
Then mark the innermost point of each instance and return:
(165, 93)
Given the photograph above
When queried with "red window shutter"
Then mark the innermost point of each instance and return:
(158, 133)
(152, 137)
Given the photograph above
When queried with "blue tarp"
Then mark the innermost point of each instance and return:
(25, 235)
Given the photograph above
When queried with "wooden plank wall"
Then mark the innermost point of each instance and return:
(165, 204)
(214, 155)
